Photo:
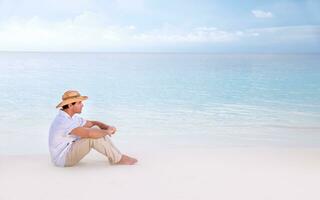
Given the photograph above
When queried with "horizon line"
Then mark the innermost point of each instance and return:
(155, 52)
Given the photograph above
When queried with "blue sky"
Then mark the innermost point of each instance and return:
(160, 26)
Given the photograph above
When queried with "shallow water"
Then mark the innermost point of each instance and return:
(202, 99)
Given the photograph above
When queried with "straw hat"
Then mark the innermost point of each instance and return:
(70, 97)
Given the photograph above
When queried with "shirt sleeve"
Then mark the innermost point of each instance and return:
(82, 121)
(78, 122)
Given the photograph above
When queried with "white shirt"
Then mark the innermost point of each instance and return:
(60, 139)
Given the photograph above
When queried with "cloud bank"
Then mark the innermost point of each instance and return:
(88, 32)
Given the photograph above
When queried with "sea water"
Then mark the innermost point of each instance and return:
(225, 100)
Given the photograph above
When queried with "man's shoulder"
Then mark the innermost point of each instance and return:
(59, 120)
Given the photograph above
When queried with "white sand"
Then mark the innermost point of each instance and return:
(174, 173)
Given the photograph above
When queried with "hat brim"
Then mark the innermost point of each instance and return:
(68, 101)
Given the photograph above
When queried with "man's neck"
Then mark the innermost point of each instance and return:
(69, 112)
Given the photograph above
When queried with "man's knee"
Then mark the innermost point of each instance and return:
(94, 141)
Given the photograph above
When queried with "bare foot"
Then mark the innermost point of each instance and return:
(127, 160)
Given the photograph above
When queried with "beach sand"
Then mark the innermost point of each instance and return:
(171, 173)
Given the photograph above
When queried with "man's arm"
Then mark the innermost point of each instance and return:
(85, 132)
(90, 124)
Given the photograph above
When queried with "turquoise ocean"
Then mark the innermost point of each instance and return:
(203, 100)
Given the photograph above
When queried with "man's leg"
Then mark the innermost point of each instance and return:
(83, 146)
(106, 147)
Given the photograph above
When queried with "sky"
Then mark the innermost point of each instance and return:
(266, 26)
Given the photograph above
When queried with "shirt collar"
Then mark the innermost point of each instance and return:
(62, 113)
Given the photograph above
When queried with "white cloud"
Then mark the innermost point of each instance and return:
(262, 14)
(196, 35)
(84, 32)
(288, 33)
(88, 32)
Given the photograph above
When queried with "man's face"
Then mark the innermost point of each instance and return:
(77, 107)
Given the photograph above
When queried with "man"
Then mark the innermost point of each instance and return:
(72, 137)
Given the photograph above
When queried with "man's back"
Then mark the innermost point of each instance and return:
(60, 139)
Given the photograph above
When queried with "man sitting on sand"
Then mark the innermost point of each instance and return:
(72, 137)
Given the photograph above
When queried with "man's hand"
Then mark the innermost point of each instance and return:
(95, 133)
(112, 129)
(103, 126)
